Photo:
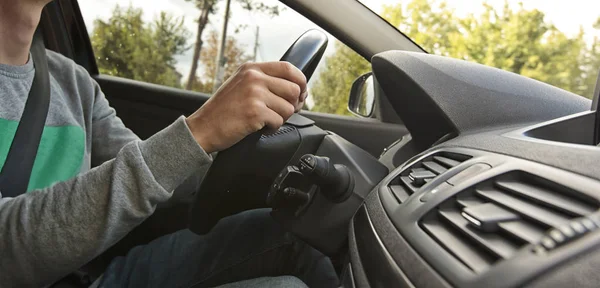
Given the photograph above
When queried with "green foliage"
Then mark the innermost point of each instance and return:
(513, 39)
(127, 47)
(516, 40)
(594, 59)
(331, 90)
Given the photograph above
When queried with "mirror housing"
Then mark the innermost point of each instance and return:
(362, 96)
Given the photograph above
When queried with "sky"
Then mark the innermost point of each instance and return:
(276, 34)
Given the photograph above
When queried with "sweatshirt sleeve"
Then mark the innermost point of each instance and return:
(45, 234)
(109, 134)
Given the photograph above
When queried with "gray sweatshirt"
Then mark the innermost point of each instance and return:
(72, 212)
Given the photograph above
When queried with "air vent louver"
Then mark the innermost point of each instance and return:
(494, 219)
(417, 175)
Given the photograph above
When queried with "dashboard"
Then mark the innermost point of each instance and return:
(506, 192)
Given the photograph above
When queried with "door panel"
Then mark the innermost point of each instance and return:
(147, 108)
(369, 134)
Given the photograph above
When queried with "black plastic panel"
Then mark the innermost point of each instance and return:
(399, 152)
(347, 278)
(581, 272)
(573, 129)
(381, 269)
(358, 271)
(579, 159)
(438, 97)
(148, 108)
(152, 94)
(370, 135)
(523, 264)
(324, 224)
(416, 269)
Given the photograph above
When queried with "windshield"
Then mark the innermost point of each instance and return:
(556, 42)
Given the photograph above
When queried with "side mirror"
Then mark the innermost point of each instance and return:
(362, 96)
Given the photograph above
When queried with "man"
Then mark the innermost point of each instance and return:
(73, 213)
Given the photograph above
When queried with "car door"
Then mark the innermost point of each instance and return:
(147, 107)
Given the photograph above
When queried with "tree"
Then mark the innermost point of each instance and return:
(234, 53)
(512, 39)
(127, 47)
(207, 8)
(516, 40)
(593, 65)
(521, 41)
(430, 24)
(331, 90)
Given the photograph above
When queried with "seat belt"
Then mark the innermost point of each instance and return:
(15, 174)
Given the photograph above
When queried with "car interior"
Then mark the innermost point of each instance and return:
(453, 176)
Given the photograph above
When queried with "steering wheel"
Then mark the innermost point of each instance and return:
(241, 175)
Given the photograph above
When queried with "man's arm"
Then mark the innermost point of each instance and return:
(48, 233)
(109, 136)
(51, 232)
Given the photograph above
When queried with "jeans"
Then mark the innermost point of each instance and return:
(245, 246)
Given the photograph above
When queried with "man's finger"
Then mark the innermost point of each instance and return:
(299, 106)
(285, 89)
(280, 106)
(284, 70)
(272, 120)
(303, 96)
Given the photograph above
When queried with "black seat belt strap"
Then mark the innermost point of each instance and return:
(15, 174)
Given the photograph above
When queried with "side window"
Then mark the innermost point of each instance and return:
(176, 43)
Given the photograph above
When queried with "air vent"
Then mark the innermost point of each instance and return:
(493, 220)
(417, 175)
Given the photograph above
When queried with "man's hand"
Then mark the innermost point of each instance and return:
(258, 95)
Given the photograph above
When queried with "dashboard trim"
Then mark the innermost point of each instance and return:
(521, 268)
(588, 118)
(379, 266)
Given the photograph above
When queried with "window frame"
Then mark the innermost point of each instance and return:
(81, 49)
